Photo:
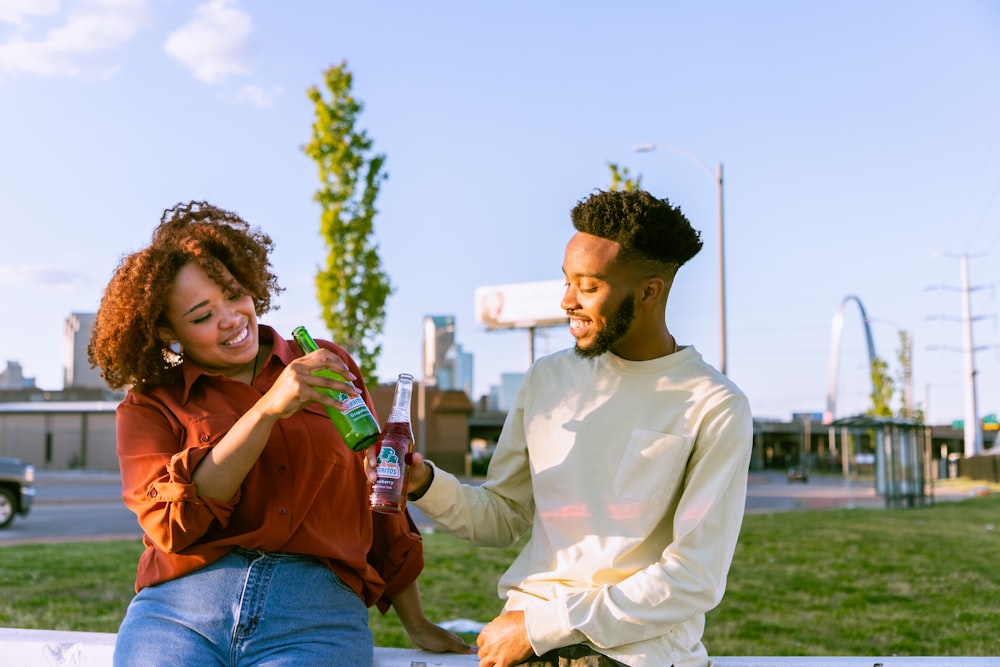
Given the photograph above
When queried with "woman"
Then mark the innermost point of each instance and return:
(259, 542)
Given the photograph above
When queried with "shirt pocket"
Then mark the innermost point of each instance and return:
(208, 430)
(652, 467)
(315, 433)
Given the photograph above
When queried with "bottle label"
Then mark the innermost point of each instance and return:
(388, 464)
(351, 404)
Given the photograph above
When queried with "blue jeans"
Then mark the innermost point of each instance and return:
(248, 608)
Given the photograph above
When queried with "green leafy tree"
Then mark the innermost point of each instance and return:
(352, 287)
(883, 388)
(622, 180)
(904, 355)
(885, 384)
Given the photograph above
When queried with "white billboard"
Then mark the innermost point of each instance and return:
(521, 305)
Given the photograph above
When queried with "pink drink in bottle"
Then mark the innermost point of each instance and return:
(389, 490)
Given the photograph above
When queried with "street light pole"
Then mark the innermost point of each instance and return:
(716, 176)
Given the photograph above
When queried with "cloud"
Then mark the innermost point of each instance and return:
(259, 97)
(41, 275)
(15, 11)
(96, 26)
(69, 49)
(214, 44)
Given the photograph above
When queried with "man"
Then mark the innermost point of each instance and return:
(626, 457)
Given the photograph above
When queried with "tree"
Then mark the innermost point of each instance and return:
(883, 387)
(352, 288)
(621, 180)
(884, 384)
(904, 355)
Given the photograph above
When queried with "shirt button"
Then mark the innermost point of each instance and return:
(281, 511)
(152, 493)
(205, 437)
(283, 470)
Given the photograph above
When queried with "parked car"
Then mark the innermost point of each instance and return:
(17, 489)
(798, 474)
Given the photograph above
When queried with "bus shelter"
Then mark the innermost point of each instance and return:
(902, 451)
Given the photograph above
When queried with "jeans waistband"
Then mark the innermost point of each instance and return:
(256, 553)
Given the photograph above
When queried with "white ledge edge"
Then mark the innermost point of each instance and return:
(43, 648)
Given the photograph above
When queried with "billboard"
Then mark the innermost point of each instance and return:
(521, 305)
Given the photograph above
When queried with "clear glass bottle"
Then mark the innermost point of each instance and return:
(356, 424)
(389, 489)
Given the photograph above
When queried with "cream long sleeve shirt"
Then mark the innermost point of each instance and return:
(632, 479)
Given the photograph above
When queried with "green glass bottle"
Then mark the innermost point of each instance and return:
(356, 424)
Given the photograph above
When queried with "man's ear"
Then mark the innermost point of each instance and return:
(652, 289)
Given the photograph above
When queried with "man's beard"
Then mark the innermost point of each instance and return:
(617, 326)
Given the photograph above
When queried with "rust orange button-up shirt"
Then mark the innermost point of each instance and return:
(307, 493)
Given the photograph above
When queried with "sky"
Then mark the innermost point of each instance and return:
(859, 142)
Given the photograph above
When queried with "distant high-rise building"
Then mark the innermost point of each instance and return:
(13, 377)
(510, 384)
(446, 366)
(462, 376)
(503, 396)
(77, 373)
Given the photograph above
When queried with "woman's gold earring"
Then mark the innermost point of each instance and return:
(174, 354)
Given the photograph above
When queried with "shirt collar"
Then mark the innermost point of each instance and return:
(281, 348)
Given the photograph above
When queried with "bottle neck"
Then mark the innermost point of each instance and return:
(401, 401)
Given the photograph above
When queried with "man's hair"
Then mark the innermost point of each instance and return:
(645, 227)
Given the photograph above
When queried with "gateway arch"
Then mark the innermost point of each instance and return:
(838, 327)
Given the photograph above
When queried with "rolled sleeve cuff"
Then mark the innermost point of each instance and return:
(180, 487)
(440, 493)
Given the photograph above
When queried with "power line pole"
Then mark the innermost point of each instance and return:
(973, 429)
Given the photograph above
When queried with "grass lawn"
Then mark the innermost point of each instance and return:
(864, 582)
(833, 582)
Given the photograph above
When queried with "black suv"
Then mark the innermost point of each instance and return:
(17, 489)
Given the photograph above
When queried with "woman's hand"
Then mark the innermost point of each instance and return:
(421, 631)
(297, 385)
(436, 639)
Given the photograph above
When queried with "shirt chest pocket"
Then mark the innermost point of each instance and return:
(312, 429)
(206, 431)
(652, 467)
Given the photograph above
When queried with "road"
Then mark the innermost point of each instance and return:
(771, 491)
(83, 506)
(74, 506)
(87, 505)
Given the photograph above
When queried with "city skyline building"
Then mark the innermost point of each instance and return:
(77, 373)
(445, 365)
(12, 377)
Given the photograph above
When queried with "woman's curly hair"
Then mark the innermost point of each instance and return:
(645, 227)
(124, 343)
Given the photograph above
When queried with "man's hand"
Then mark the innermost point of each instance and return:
(420, 474)
(504, 641)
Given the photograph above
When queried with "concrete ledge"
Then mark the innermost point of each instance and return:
(31, 648)
(44, 648)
